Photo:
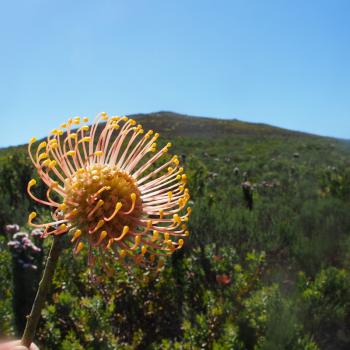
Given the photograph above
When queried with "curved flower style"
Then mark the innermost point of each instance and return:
(116, 193)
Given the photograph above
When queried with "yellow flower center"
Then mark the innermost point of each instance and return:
(102, 198)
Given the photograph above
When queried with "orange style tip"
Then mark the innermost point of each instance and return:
(133, 196)
(42, 144)
(168, 144)
(98, 153)
(149, 133)
(62, 206)
(32, 216)
(110, 243)
(71, 153)
(155, 235)
(143, 250)
(149, 224)
(100, 224)
(125, 230)
(31, 183)
(76, 235)
(103, 235)
(46, 162)
(63, 227)
(187, 233)
(85, 119)
(73, 135)
(177, 218)
(166, 236)
(118, 206)
(42, 156)
(122, 253)
(32, 140)
(79, 247)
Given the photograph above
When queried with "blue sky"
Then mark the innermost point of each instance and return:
(285, 63)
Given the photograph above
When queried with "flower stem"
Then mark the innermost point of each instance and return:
(44, 285)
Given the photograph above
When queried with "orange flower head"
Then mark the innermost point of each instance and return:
(118, 193)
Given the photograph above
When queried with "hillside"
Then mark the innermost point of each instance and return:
(174, 124)
(171, 124)
(266, 265)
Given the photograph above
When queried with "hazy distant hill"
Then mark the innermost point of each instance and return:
(172, 124)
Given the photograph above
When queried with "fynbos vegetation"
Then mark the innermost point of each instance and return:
(266, 265)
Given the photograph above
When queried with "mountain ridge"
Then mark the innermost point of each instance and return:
(220, 126)
(172, 124)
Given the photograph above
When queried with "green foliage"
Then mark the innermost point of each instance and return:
(275, 277)
(6, 314)
(325, 303)
(14, 175)
(15, 172)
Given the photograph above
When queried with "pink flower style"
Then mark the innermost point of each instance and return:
(119, 194)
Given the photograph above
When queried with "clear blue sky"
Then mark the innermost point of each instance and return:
(285, 63)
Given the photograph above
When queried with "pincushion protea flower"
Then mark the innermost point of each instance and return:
(117, 195)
